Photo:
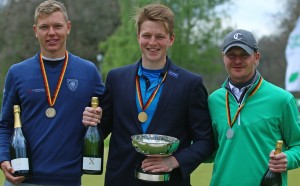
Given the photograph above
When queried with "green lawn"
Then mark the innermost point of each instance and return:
(200, 177)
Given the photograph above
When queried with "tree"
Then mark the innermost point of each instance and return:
(272, 48)
(121, 48)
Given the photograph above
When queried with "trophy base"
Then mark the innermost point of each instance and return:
(152, 177)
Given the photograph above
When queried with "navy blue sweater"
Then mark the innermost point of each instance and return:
(56, 143)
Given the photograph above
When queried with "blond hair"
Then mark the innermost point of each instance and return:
(48, 7)
(156, 13)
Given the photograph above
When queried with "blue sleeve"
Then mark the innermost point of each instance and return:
(7, 117)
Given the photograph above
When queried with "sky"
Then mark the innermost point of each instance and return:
(257, 16)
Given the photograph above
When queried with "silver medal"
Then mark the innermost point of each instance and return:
(229, 133)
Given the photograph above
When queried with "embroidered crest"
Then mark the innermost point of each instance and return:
(173, 74)
(72, 84)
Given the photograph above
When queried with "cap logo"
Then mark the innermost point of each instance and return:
(236, 36)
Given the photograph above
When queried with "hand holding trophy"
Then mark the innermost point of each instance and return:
(153, 145)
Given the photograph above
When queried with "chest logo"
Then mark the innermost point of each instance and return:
(72, 84)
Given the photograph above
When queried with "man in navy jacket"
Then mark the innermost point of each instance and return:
(153, 96)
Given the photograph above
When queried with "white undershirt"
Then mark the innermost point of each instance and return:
(53, 59)
(237, 92)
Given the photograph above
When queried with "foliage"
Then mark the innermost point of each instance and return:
(197, 35)
(122, 48)
(92, 22)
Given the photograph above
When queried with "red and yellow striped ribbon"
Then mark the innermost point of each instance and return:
(231, 122)
(51, 100)
(139, 94)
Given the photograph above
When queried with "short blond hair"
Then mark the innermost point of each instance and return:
(156, 13)
(48, 7)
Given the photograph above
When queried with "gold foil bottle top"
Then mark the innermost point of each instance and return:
(17, 109)
(278, 147)
(95, 102)
(17, 119)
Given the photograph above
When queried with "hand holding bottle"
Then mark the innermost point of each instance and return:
(8, 173)
(93, 147)
(91, 116)
(278, 162)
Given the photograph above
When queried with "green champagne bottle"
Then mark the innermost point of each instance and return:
(19, 151)
(273, 178)
(93, 148)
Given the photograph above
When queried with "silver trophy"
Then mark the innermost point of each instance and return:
(153, 145)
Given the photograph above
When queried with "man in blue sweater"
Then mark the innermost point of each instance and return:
(52, 88)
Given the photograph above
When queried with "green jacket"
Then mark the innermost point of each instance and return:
(269, 114)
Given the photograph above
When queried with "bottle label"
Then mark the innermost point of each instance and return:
(91, 163)
(20, 164)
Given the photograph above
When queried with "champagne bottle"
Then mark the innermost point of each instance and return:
(93, 148)
(19, 151)
(273, 178)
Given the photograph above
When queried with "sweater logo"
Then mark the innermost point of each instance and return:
(72, 84)
(173, 74)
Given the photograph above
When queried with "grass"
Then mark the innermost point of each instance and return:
(200, 177)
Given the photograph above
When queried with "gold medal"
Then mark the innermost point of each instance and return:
(142, 117)
(50, 112)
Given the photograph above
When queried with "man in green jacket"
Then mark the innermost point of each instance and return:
(249, 115)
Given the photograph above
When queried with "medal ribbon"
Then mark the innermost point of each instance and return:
(139, 94)
(230, 122)
(52, 100)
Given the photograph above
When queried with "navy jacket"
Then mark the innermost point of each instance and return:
(182, 112)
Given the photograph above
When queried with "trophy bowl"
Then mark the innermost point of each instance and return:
(154, 144)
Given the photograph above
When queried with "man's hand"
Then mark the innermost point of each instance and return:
(91, 116)
(278, 162)
(159, 164)
(8, 171)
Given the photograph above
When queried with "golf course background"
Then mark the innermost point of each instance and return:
(200, 177)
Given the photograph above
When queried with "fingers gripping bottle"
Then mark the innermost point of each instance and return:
(19, 149)
(93, 147)
(273, 178)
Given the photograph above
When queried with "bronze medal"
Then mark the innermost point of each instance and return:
(50, 112)
(142, 117)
